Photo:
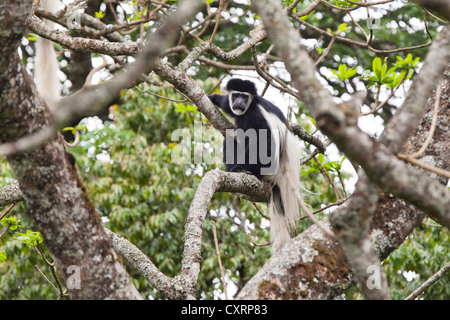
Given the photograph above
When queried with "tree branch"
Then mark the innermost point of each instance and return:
(377, 161)
(10, 194)
(80, 44)
(213, 181)
(91, 100)
(407, 118)
(144, 266)
(52, 188)
(441, 7)
(311, 266)
(429, 282)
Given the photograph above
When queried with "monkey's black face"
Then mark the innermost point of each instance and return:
(240, 102)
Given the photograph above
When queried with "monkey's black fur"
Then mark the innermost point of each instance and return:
(242, 86)
(252, 114)
(252, 118)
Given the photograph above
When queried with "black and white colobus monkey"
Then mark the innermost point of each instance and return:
(263, 145)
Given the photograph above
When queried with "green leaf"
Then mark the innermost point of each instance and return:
(383, 71)
(397, 79)
(350, 73)
(376, 67)
(13, 222)
(408, 62)
(320, 157)
(391, 71)
(342, 68)
(99, 14)
(180, 107)
(313, 121)
(30, 238)
(32, 37)
(343, 3)
(410, 73)
(343, 73)
(2, 256)
(308, 15)
(341, 28)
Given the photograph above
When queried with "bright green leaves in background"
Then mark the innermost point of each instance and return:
(126, 162)
(381, 73)
(343, 73)
(142, 194)
(12, 222)
(407, 63)
(341, 28)
(30, 238)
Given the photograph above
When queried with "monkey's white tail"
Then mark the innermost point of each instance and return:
(283, 207)
(46, 64)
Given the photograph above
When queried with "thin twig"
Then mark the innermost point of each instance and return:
(5, 230)
(161, 97)
(305, 209)
(356, 42)
(377, 106)
(342, 182)
(4, 215)
(429, 282)
(46, 278)
(431, 225)
(337, 203)
(259, 210)
(324, 54)
(433, 123)
(88, 80)
(328, 178)
(252, 240)
(412, 158)
(369, 40)
(216, 27)
(7, 211)
(53, 270)
(434, 16)
(216, 243)
(423, 165)
(75, 141)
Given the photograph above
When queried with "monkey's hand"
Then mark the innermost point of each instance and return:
(215, 99)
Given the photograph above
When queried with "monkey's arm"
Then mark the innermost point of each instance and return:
(221, 100)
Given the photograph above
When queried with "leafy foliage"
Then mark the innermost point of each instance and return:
(30, 238)
(343, 73)
(127, 163)
(145, 197)
(421, 255)
(12, 222)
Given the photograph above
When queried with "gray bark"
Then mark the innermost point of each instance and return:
(52, 189)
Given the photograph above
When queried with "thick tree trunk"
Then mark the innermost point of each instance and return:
(53, 191)
(314, 267)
